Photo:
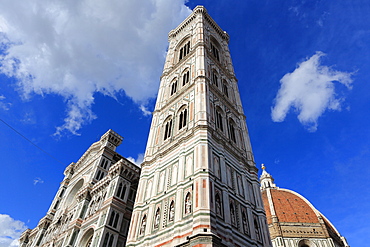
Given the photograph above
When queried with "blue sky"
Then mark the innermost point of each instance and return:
(71, 71)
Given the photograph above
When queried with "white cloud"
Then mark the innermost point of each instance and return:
(78, 48)
(145, 110)
(4, 105)
(310, 90)
(138, 161)
(38, 181)
(10, 230)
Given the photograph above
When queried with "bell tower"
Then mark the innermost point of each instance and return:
(198, 185)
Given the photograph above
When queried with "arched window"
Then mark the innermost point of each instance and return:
(111, 240)
(99, 175)
(111, 219)
(185, 78)
(215, 47)
(215, 52)
(173, 87)
(232, 135)
(171, 214)
(104, 163)
(143, 225)
(167, 128)
(219, 119)
(106, 239)
(121, 191)
(157, 218)
(188, 203)
(183, 118)
(305, 243)
(184, 50)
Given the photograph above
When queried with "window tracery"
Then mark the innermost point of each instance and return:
(113, 220)
(167, 128)
(185, 77)
(184, 50)
(173, 87)
(215, 52)
(183, 118)
(121, 191)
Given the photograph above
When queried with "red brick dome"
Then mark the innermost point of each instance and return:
(289, 207)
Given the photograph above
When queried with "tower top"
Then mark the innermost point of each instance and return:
(199, 11)
(111, 139)
(267, 181)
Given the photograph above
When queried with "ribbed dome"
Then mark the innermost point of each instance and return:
(293, 218)
(288, 207)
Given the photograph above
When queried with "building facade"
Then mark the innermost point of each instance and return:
(293, 221)
(199, 184)
(94, 202)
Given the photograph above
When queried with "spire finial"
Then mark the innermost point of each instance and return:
(263, 166)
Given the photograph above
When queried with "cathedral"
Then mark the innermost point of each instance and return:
(198, 185)
(294, 221)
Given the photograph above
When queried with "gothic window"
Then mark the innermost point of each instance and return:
(167, 129)
(104, 163)
(219, 209)
(184, 50)
(232, 135)
(188, 203)
(215, 52)
(142, 225)
(215, 78)
(257, 228)
(219, 119)
(173, 87)
(171, 214)
(111, 238)
(121, 191)
(183, 118)
(245, 222)
(99, 175)
(225, 89)
(185, 78)
(157, 218)
(113, 220)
